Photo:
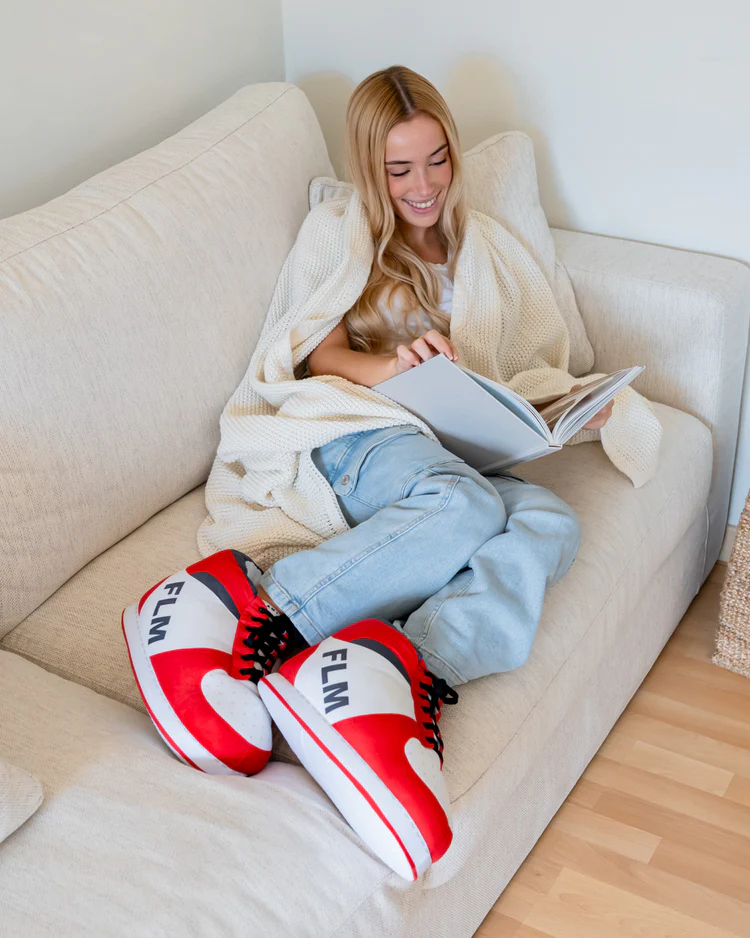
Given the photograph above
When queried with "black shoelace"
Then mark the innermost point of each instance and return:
(436, 693)
(266, 638)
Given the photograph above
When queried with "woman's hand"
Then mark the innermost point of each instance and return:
(598, 420)
(424, 348)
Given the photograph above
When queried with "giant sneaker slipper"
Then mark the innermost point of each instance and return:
(360, 710)
(199, 642)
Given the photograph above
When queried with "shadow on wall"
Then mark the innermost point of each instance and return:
(484, 98)
(328, 92)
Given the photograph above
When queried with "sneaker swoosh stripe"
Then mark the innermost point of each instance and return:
(388, 653)
(360, 788)
(218, 589)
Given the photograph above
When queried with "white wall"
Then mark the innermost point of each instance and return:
(639, 112)
(88, 83)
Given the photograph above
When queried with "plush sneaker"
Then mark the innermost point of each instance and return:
(199, 642)
(360, 710)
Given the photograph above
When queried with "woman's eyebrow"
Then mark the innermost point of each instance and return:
(392, 162)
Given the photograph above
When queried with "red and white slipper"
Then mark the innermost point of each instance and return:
(199, 641)
(360, 710)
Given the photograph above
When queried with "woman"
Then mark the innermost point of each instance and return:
(460, 562)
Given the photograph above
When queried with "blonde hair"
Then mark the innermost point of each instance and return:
(377, 104)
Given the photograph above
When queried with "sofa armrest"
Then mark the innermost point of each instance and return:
(682, 315)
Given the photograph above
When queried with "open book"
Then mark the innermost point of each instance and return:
(486, 424)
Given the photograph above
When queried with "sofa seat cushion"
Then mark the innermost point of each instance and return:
(627, 535)
(129, 841)
(77, 634)
(20, 796)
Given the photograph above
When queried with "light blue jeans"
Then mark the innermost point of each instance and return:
(459, 561)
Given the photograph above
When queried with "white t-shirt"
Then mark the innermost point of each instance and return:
(419, 319)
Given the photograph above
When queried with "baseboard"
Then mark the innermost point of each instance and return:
(726, 547)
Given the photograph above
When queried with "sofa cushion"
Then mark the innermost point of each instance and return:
(627, 535)
(129, 841)
(129, 309)
(501, 181)
(20, 796)
(77, 632)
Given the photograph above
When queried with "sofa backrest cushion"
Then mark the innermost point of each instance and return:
(129, 309)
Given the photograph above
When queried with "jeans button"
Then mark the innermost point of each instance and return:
(346, 480)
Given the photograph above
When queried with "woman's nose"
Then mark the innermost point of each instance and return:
(422, 185)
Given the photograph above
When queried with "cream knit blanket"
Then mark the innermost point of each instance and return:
(265, 496)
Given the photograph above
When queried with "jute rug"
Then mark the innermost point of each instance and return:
(733, 635)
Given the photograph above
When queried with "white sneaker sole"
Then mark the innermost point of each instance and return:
(171, 729)
(364, 800)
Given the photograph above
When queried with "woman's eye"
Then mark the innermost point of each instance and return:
(396, 175)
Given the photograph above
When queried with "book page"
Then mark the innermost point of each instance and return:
(600, 392)
(512, 400)
(561, 405)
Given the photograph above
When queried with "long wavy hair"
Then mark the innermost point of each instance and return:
(399, 278)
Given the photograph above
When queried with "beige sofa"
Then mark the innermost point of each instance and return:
(128, 312)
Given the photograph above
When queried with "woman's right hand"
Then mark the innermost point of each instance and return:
(424, 348)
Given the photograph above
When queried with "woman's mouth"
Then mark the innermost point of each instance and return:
(422, 208)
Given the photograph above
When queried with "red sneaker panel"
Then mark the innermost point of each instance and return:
(180, 673)
(381, 740)
(225, 567)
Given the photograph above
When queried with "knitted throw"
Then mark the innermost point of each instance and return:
(265, 496)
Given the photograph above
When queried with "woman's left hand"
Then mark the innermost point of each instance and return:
(598, 420)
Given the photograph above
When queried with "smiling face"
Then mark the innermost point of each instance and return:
(419, 169)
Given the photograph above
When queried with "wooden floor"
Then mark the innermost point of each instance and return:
(654, 840)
